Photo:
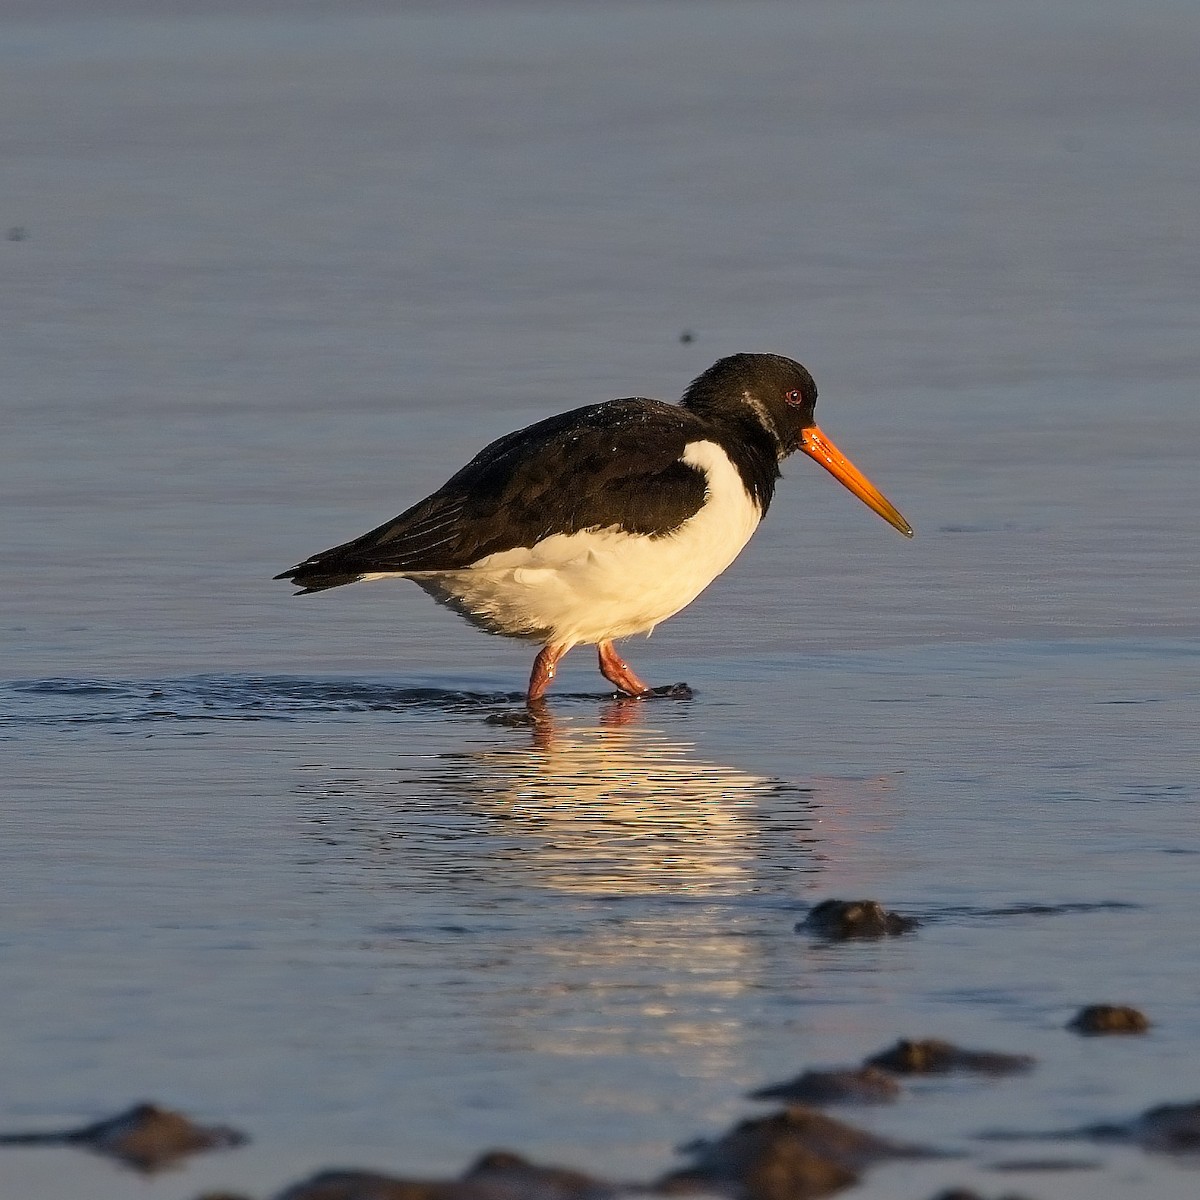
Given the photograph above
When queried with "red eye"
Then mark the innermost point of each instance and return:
(794, 398)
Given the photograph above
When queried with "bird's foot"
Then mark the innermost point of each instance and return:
(619, 673)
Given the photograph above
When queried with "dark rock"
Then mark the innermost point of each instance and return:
(1170, 1128)
(503, 1167)
(1108, 1018)
(1174, 1128)
(498, 1175)
(862, 1085)
(967, 1194)
(796, 1154)
(781, 1172)
(674, 691)
(841, 919)
(367, 1185)
(932, 1057)
(146, 1137)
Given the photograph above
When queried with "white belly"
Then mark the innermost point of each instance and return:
(600, 583)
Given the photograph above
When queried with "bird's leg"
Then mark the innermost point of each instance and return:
(618, 672)
(545, 667)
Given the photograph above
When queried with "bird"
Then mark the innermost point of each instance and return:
(599, 523)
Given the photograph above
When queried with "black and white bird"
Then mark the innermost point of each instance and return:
(601, 522)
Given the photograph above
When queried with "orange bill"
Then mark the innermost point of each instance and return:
(819, 448)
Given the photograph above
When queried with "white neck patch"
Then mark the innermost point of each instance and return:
(759, 409)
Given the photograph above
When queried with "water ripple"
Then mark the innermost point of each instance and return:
(65, 701)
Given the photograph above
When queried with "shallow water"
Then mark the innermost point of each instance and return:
(299, 865)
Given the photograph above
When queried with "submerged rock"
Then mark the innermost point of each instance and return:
(1174, 1128)
(146, 1137)
(796, 1154)
(1098, 1019)
(498, 1175)
(851, 1085)
(968, 1194)
(842, 919)
(368, 1185)
(933, 1057)
(1169, 1128)
(503, 1167)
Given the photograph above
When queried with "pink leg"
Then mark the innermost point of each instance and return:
(618, 672)
(545, 667)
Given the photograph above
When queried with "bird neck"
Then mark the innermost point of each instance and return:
(753, 450)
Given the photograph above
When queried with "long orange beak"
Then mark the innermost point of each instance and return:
(819, 448)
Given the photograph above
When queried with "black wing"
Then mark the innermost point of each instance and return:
(613, 465)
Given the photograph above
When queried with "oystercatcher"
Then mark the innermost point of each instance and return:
(601, 522)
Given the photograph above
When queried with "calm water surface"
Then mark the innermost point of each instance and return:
(295, 865)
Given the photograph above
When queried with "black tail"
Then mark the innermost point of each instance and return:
(394, 548)
(320, 572)
(315, 580)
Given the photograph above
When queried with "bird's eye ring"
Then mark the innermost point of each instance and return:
(794, 398)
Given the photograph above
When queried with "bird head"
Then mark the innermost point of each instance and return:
(781, 396)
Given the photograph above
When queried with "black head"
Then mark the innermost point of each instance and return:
(775, 391)
(770, 400)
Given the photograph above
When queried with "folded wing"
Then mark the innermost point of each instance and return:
(615, 465)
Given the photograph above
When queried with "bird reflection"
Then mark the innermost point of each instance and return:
(657, 855)
(608, 806)
(623, 809)
(593, 886)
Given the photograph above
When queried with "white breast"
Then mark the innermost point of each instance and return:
(601, 583)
